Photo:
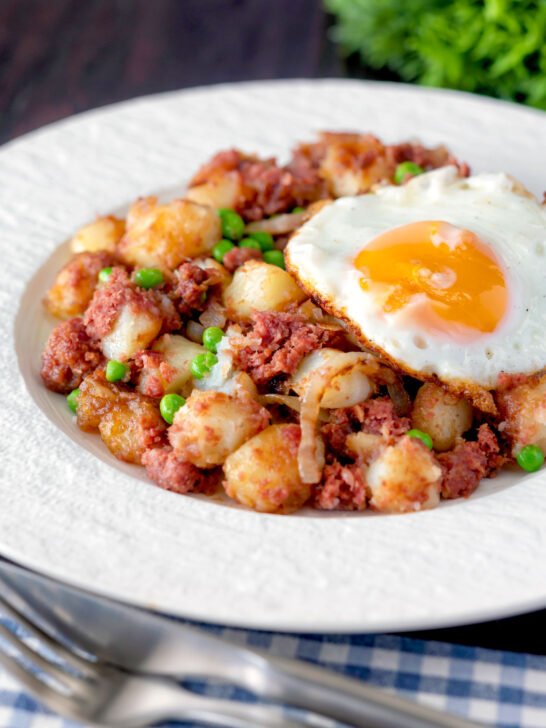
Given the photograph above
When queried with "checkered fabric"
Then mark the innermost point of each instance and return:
(497, 688)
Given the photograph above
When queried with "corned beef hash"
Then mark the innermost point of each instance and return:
(359, 328)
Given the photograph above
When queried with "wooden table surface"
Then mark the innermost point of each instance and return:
(60, 57)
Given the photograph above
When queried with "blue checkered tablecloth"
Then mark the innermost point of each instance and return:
(497, 688)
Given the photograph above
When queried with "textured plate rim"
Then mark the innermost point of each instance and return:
(514, 606)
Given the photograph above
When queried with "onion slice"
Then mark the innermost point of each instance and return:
(279, 225)
(213, 315)
(286, 399)
(400, 398)
(194, 331)
(310, 458)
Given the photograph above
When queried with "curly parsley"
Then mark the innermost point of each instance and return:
(494, 47)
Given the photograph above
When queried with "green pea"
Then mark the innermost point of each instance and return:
(169, 406)
(530, 458)
(198, 367)
(406, 168)
(427, 439)
(210, 359)
(250, 243)
(104, 274)
(72, 400)
(212, 336)
(221, 248)
(115, 370)
(148, 277)
(233, 225)
(264, 239)
(298, 209)
(274, 257)
(202, 363)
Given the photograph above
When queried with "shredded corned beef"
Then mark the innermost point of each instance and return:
(146, 367)
(237, 256)
(108, 301)
(280, 189)
(277, 343)
(68, 356)
(170, 473)
(192, 286)
(363, 150)
(266, 188)
(151, 426)
(375, 416)
(342, 488)
(468, 463)
(426, 158)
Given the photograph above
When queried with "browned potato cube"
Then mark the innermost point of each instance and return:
(75, 284)
(523, 409)
(258, 286)
(164, 235)
(102, 234)
(405, 477)
(96, 398)
(442, 415)
(223, 189)
(344, 169)
(263, 473)
(212, 424)
(131, 427)
(129, 422)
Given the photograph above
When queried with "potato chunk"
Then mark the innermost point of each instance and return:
(364, 445)
(126, 318)
(344, 165)
(133, 329)
(102, 234)
(133, 425)
(442, 415)
(523, 409)
(170, 371)
(223, 189)
(164, 235)
(405, 477)
(75, 284)
(213, 424)
(261, 287)
(69, 355)
(96, 398)
(263, 473)
(129, 423)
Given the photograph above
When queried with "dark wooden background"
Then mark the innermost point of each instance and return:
(59, 57)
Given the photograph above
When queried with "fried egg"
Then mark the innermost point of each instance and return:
(444, 276)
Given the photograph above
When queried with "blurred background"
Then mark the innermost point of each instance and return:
(59, 57)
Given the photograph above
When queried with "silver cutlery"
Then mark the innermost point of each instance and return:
(137, 656)
(104, 695)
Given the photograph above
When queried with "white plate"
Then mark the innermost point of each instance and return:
(78, 514)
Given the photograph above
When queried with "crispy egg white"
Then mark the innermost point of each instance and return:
(443, 276)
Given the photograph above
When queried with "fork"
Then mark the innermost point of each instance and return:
(97, 693)
(142, 644)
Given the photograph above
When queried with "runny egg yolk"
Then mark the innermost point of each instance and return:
(450, 277)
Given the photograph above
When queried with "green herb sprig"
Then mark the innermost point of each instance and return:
(494, 47)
